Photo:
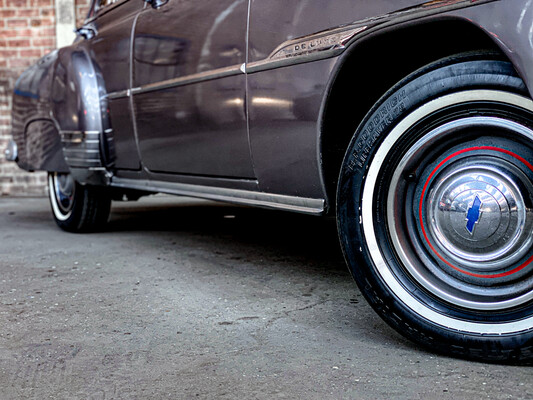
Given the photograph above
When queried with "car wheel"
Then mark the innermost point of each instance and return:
(75, 207)
(435, 209)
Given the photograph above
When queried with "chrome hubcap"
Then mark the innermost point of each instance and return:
(477, 214)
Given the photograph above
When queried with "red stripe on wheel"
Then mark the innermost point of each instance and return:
(500, 275)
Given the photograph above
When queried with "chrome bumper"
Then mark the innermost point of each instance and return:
(11, 151)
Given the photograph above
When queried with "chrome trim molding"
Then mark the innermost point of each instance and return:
(81, 148)
(309, 48)
(181, 81)
(189, 79)
(78, 136)
(245, 197)
(311, 44)
(118, 95)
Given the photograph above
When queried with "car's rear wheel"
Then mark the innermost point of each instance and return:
(75, 207)
(435, 209)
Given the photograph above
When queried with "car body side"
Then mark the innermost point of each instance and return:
(265, 113)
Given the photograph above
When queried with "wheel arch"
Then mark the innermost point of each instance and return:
(364, 74)
(79, 105)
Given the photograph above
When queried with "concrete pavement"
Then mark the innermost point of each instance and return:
(182, 298)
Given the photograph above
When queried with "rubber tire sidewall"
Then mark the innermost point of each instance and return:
(460, 73)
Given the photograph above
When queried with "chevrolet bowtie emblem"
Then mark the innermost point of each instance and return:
(472, 217)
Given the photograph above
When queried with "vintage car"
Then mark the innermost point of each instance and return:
(409, 121)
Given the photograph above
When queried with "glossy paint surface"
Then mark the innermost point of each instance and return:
(510, 24)
(274, 22)
(198, 128)
(37, 139)
(110, 47)
(188, 37)
(284, 118)
(126, 152)
(110, 53)
(195, 129)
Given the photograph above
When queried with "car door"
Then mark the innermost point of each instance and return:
(189, 88)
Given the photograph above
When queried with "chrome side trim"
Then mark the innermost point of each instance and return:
(189, 79)
(237, 196)
(181, 81)
(78, 136)
(313, 47)
(320, 42)
(309, 48)
(81, 148)
(118, 95)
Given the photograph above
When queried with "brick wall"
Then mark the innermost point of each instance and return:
(82, 8)
(27, 32)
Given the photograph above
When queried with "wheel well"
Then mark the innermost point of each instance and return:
(372, 67)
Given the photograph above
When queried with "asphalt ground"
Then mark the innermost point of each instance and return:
(186, 299)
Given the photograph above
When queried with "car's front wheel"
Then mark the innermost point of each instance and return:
(435, 209)
(75, 207)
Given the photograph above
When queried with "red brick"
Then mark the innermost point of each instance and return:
(16, 3)
(43, 42)
(46, 32)
(42, 3)
(19, 62)
(19, 43)
(3, 43)
(5, 54)
(29, 12)
(81, 13)
(18, 33)
(41, 22)
(7, 13)
(31, 53)
(17, 23)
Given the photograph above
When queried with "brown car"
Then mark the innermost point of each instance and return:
(410, 121)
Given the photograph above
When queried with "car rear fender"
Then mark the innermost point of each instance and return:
(34, 131)
(60, 119)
